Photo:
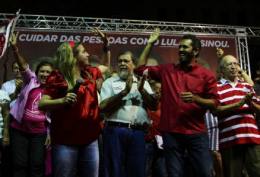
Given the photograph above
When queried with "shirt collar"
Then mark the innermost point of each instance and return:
(191, 67)
(225, 81)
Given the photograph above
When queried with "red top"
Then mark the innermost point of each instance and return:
(78, 123)
(176, 115)
(155, 117)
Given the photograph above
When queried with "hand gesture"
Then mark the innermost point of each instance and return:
(128, 85)
(159, 141)
(48, 140)
(239, 69)
(70, 98)
(101, 34)
(247, 99)
(142, 81)
(13, 39)
(6, 138)
(187, 97)
(219, 52)
(154, 36)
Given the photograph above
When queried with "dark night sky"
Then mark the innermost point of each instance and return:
(229, 12)
(224, 12)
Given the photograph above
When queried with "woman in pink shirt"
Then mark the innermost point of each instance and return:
(28, 126)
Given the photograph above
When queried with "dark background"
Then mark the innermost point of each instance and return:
(223, 12)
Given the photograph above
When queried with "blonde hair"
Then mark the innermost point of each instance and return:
(65, 63)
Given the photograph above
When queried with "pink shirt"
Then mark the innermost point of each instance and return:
(34, 120)
(30, 82)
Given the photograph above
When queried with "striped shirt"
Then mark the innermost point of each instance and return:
(211, 122)
(239, 126)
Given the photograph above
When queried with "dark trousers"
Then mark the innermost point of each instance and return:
(28, 154)
(155, 161)
(6, 162)
(196, 146)
(1, 152)
(241, 157)
(124, 152)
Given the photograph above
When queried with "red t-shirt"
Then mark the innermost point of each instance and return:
(176, 115)
(155, 117)
(79, 123)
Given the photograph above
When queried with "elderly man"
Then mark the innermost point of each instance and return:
(239, 136)
(124, 100)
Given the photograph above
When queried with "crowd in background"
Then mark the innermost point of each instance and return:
(75, 116)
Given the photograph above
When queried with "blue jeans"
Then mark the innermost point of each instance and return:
(124, 152)
(72, 160)
(196, 146)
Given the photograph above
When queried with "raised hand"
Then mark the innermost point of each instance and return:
(154, 36)
(101, 34)
(219, 52)
(239, 69)
(13, 39)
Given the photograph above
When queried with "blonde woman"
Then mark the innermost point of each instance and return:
(71, 98)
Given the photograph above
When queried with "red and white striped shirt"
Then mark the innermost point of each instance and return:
(239, 126)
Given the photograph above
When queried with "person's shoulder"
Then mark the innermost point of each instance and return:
(4, 95)
(3, 92)
(90, 68)
(12, 81)
(94, 71)
(55, 77)
(109, 81)
(166, 66)
(113, 78)
(205, 70)
(246, 84)
(8, 86)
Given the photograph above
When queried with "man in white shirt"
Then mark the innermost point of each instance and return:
(123, 100)
(4, 100)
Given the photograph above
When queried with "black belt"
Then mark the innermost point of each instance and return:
(127, 125)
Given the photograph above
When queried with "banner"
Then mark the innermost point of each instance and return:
(35, 45)
(5, 31)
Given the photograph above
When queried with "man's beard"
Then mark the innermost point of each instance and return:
(186, 59)
(123, 74)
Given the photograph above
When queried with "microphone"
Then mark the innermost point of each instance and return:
(76, 86)
(75, 89)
